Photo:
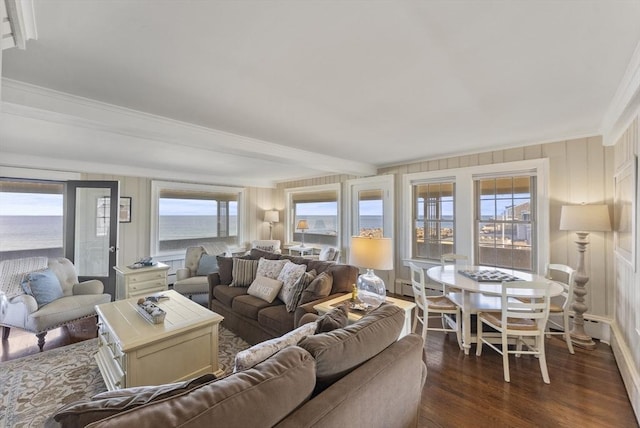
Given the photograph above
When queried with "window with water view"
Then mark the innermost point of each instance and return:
(31, 219)
(434, 225)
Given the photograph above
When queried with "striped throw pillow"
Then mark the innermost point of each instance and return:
(298, 288)
(243, 272)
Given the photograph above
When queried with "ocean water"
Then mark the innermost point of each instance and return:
(174, 227)
(28, 232)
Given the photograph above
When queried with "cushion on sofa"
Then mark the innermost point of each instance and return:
(340, 351)
(337, 317)
(230, 401)
(304, 281)
(226, 294)
(207, 264)
(289, 276)
(264, 288)
(43, 285)
(244, 272)
(225, 269)
(249, 306)
(319, 288)
(270, 268)
(257, 353)
(257, 254)
(103, 405)
(276, 319)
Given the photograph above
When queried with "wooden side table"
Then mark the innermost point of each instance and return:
(407, 306)
(142, 281)
(134, 352)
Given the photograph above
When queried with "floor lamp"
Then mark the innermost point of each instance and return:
(583, 219)
(271, 217)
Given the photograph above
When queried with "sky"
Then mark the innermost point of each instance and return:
(24, 204)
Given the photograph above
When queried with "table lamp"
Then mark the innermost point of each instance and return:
(583, 219)
(302, 225)
(271, 216)
(371, 253)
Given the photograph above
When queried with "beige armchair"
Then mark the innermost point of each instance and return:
(21, 310)
(192, 278)
(271, 245)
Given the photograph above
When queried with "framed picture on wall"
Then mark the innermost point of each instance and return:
(624, 211)
(124, 210)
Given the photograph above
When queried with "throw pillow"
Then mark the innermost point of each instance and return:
(43, 285)
(289, 275)
(225, 269)
(207, 264)
(263, 350)
(327, 253)
(105, 404)
(270, 268)
(298, 288)
(337, 317)
(244, 272)
(319, 288)
(265, 288)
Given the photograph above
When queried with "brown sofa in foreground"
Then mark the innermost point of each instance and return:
(254, 319)
(359, 375)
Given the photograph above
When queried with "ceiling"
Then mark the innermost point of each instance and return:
(254, 92)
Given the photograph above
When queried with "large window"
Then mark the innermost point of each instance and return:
(433, 232)
(496, 215)
(188, 215)
(505, 221)
(31, 219)
(319, 206)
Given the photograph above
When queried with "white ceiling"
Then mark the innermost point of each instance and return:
(265, 91)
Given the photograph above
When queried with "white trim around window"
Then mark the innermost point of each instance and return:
(464, 206)
(289, 227)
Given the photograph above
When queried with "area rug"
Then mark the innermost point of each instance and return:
(34, 387)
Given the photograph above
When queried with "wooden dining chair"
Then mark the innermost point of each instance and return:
(428, 307)
(520, 318)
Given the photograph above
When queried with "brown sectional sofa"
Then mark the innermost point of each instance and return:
(254, 319)
(359, 375)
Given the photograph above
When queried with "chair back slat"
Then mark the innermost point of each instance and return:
(535, 306)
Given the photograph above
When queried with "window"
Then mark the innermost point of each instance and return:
(434, 225)
(505, 222)
(495, 214)
(371, 206)
(31, 219)
(188, 215)
(319, 207)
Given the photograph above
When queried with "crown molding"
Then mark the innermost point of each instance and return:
(48, 105)
(625, 104)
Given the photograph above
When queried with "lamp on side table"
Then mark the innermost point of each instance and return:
(583, 219)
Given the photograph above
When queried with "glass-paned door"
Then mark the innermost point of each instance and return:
(92, 229)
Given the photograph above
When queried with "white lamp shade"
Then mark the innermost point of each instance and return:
(585, 218)
(302, 225)
(272, 216)
(371, 253)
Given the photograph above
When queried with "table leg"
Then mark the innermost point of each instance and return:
(466, 321)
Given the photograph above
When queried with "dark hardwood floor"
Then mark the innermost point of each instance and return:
(586, 389)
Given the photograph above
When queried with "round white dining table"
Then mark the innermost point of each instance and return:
(471, 297)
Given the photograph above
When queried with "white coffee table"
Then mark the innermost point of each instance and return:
(407, 306)
(135, 352)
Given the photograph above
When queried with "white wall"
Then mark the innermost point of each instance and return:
(626, 338)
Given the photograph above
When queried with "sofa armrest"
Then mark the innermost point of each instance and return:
(23, 303)
(214, 279)
(182, 273)
(307, 308)
(93, 286)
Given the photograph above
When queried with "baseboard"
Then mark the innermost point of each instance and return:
(627, 368)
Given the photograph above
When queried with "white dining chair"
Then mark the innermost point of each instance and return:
(565, 276)
(519, 318)
(454, 259)
(428, 307)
